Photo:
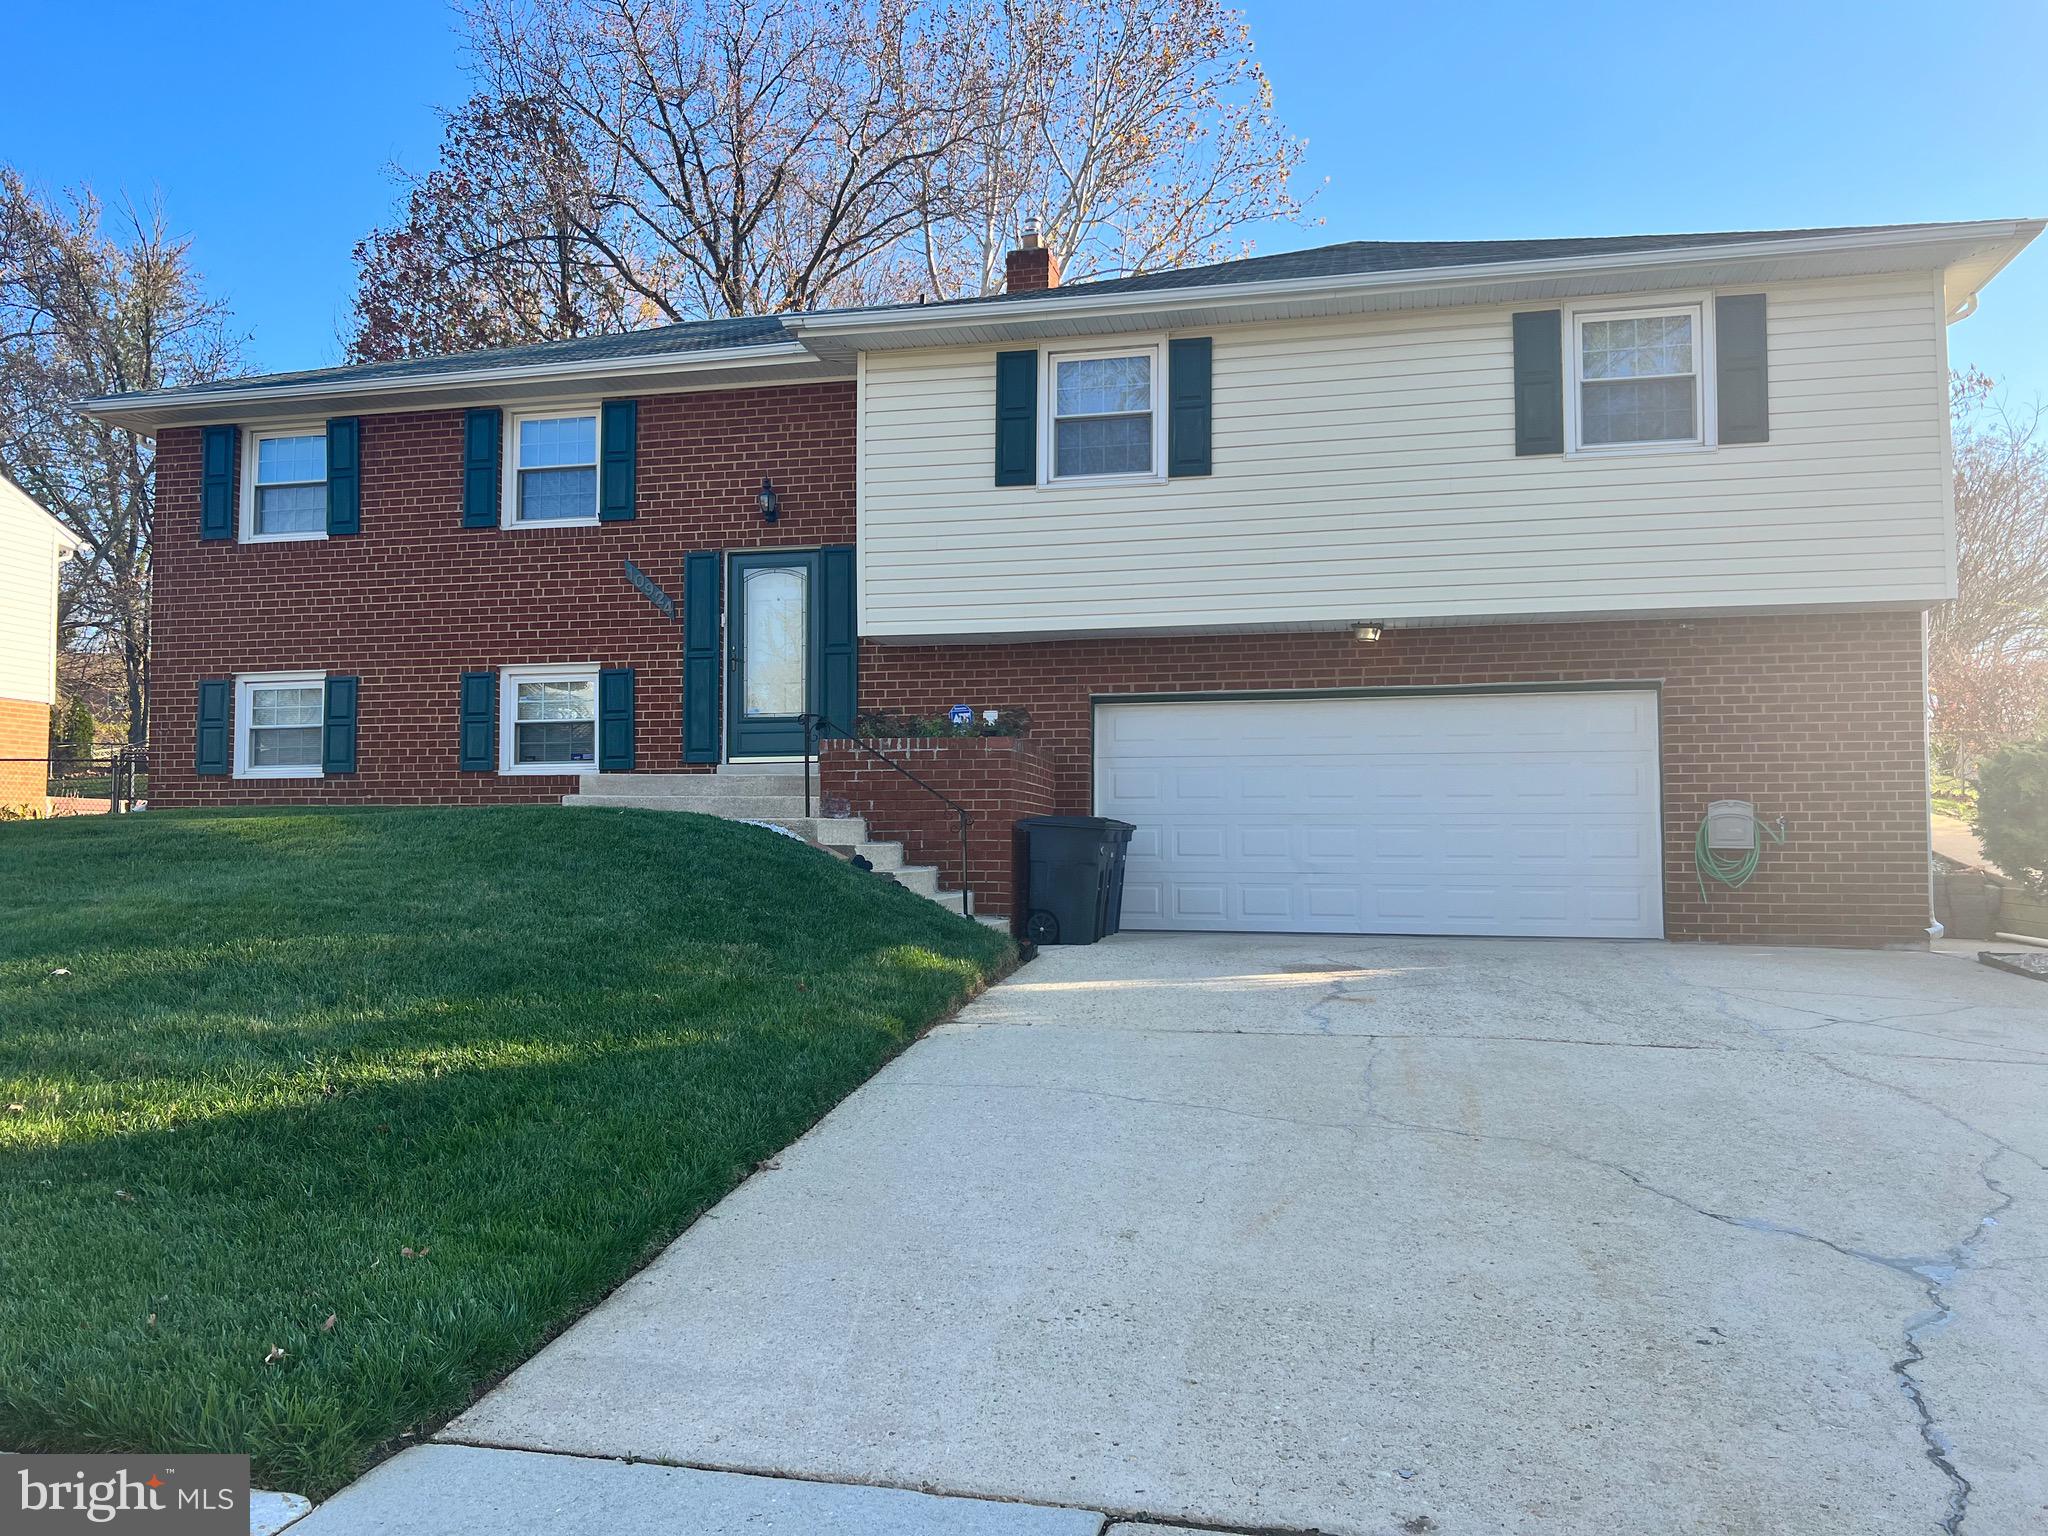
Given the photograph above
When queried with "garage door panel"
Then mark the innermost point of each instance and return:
(1522, 813)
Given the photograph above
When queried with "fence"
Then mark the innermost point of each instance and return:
(71, 783)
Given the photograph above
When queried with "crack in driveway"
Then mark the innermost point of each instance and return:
(1934, 1274)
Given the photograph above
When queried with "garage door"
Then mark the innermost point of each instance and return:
(1518, 813)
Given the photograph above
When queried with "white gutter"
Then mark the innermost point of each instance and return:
(1080, 303)
(510, 373)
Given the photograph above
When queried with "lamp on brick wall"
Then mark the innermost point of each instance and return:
(769, 503)
(1366, 634)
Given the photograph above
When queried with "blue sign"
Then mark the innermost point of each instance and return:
(960, 714)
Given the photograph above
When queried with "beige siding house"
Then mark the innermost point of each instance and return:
(33, 545)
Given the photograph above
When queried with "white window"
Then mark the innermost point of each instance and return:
(549, 720)
(1103, 414)
(277, 724)
(551, 467)
(1640, 379)
(284, 484)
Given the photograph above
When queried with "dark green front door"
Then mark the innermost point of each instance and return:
(772, 653)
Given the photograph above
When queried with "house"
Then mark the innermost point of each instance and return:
(1384, 587)
(33, 545)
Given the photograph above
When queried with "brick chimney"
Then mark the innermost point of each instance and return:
(1032, 265)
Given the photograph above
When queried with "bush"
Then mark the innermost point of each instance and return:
(2012, 812)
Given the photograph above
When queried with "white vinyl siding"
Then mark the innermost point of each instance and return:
(1365, 469)
(32, 551)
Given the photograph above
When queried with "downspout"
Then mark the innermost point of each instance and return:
(1934, 928)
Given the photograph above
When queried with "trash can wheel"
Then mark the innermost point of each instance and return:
(1042, 928)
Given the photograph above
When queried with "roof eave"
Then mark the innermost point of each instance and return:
(150, 411)
(840, 329)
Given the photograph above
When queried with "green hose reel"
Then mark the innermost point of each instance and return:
(1727, 848)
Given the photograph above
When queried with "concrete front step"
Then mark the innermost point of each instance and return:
(705, 786)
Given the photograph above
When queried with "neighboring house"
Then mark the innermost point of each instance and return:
(1416, 588)
(33, 545)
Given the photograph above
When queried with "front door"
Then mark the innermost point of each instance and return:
(772, 654)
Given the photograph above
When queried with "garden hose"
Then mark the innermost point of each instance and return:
(1733, 872)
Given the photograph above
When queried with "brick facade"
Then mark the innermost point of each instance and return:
(416, 599)
(996, 778)
(24, 757)
(1819, 719)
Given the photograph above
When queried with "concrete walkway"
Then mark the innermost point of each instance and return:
(1365, 1236)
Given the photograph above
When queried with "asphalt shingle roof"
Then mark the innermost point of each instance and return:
(1347, 259)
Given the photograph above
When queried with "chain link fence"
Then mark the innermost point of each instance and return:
(70, 783)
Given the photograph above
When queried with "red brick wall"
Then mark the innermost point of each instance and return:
(997, 779)
(24, 756)
(1815, 718)
(416, 599)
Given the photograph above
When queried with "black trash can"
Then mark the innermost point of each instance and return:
(1070, 877)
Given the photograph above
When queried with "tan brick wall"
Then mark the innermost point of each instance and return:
(24, 756)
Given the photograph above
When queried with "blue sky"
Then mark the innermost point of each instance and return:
(268, 130)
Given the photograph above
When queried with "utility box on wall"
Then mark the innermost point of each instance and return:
(1731, 825)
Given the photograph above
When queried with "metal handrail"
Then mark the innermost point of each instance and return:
(811, 723)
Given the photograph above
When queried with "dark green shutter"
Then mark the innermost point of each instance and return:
(621, 433)
(1742, 375)
(210, 753)
(839, 641)
(1187, 406)
(1016, 418)
(615, 720)
(338, 726)
(479, 733)
(700, 658)
(217, 484)
(1539, 382)
(480, 433)
(344, 476)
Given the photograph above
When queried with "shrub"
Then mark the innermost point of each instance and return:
(2012, 812)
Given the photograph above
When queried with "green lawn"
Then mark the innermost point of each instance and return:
(397, 1092)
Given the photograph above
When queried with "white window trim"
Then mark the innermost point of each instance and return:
(1706, 405)
(509, 679)
(508, 453)
(246, 523)
(247, 683)
(1048, 360)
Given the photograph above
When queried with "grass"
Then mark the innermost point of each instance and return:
(397, 1092)
(1952, 796)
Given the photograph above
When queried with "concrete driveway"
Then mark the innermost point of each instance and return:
(1368, 1235)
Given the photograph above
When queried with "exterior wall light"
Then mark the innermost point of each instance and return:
(769, 503)
(1367, 634)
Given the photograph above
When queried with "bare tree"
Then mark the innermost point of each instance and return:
(82, 313)
(1988, 650)
(1141, 132)
(628, 162)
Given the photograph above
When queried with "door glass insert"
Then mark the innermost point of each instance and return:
(776, 641)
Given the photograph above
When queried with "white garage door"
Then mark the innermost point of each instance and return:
(1515, 813)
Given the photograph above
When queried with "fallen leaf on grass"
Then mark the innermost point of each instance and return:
(122, 1194)
(60, 971)
(408, 1253)
(17, 1109)
(274, 1356)
(152, 1319)
(328, 1326)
